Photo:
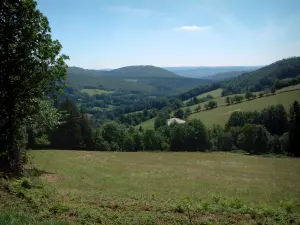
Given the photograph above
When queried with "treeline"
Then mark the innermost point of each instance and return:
(196, 100)
(272, 130)
(287, 82)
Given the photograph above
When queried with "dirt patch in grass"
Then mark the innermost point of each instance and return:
(51, 178)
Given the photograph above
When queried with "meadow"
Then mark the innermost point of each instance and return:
(96, 91)
(215, 94)
(160, 188)
(221, 114)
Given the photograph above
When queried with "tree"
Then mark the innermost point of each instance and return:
(75, 132)
(195, 100)
(248, 95)
(261, 94)
(254, 139)
(30, 66)
(179, 113)
(227, 100)
(161, 120)
(39, 125)
(212, 104)
(187, 112)
(274, 118)
(198, 108)
(273, 90)
(294, 131)
(191, 136)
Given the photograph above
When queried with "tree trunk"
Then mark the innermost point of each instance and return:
(15, 146)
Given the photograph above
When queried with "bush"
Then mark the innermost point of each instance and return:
(254, 139)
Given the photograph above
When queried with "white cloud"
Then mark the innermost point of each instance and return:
(193, 28)
(126, 9)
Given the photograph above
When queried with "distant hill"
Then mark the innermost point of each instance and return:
(138, 79)
(142, 71)
(205, 71)
(225, 75)
(263, 78)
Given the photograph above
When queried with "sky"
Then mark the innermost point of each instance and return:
(98, 34)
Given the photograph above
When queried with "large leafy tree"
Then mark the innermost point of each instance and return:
(294, 132)
(31, 66)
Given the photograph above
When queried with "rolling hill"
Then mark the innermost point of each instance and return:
(264, 77)
(143, 71)
(143, 79)
(205, 71)
(258, 80)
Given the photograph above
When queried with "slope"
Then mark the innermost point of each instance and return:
(142, 79)
(263, 78)
(142, 71)
(205, 71)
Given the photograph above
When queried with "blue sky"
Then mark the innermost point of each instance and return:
(100, 34)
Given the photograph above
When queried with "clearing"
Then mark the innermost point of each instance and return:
(221, 114)
(163, 188)
(96, 91)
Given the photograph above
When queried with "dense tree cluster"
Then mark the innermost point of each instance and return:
(272, 130)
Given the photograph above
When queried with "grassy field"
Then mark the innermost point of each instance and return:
(221, 115)
(95, 91)
(147, 125)
(162, 188)
(215, 93)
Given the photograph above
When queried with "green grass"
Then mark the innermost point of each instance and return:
(215, 93)
(156, 188)
(96, 91)
(221, 114)
(147, 125)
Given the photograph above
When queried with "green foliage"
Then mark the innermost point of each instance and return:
(274, 118)
(198, 108)
(35, 67)
(212, 104)
(294, 131)
(148, 80)
(161, 120)
(191, 136)
(253, 139)
(287, 82)
(263, 78)
(75, 132)
(228, 100)
(187, 112)
(179, 114)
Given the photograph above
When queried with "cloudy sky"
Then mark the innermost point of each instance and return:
(100, 34)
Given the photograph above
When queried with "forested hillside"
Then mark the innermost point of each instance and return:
(135, 79)
(142, 71)
(207, 71)
(259, 80)
(263, 78)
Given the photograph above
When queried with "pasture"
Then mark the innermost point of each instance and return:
(163, 188)
(215, 94)
(221, 114)
(96, 91)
